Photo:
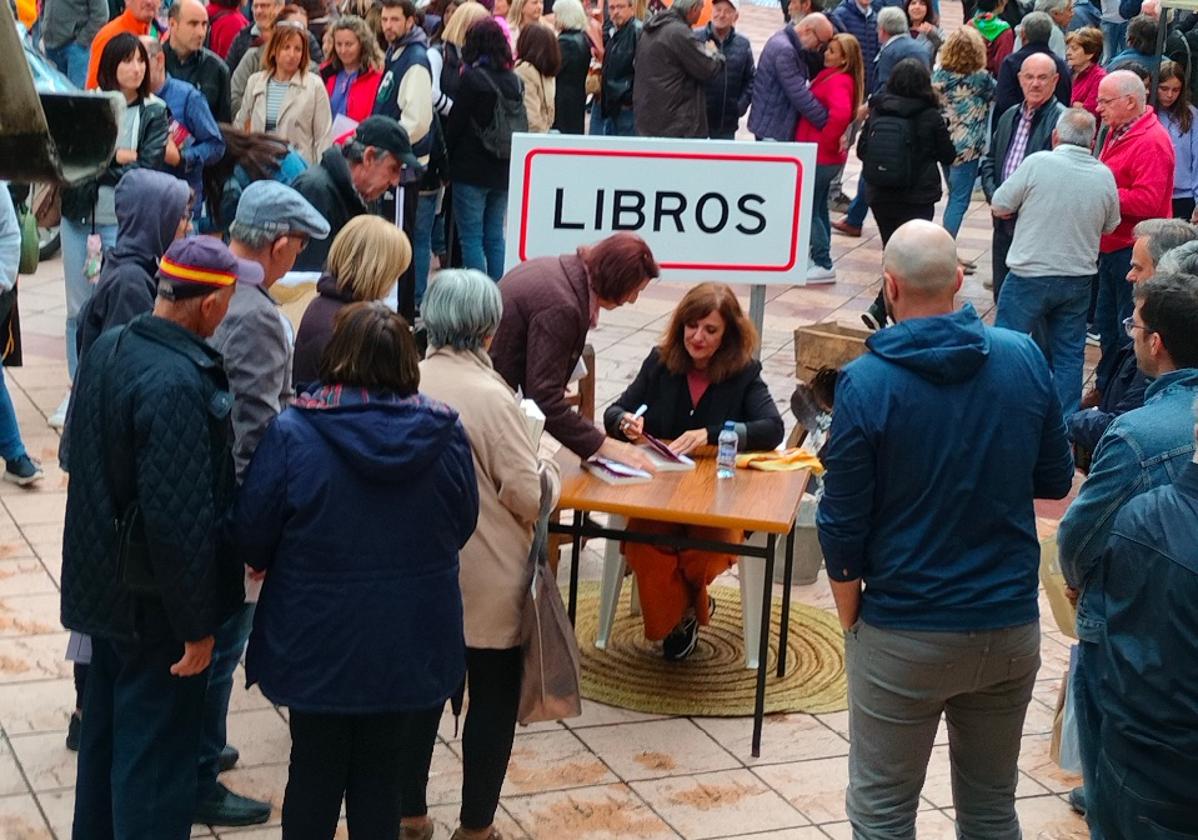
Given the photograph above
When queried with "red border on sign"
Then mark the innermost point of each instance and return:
(794, 234)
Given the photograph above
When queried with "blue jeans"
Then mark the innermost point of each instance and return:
(1061, 304)
(821, 224)
(79, 290)
(1114, 38)
(71, 59)
(960, 189)
(621, 125)
(226, 653)
(478, 215)
(1089, 721)
(422, 240)
(858, 209)
(11, 446)
(137, 757)
(1114, 304)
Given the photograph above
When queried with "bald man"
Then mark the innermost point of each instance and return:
(1022, 130)
(942, 437)
(189, 61)
(1140, 155)
(781, 88)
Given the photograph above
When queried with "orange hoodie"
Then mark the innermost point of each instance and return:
(126, 22)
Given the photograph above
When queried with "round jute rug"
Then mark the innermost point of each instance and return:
(712, 681)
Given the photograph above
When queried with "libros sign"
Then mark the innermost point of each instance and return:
(709, 209)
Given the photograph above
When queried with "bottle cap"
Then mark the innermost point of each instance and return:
(730, 425)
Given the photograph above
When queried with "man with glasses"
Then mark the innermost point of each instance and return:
(1165, 244)
(1141, 450)
(273, 224)
(1022, 130)
(781, 90)
(1140, 155)
(611, 113)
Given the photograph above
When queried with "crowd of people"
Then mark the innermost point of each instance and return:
(217, 458)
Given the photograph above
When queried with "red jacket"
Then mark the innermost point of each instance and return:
(223, 25)
(834, 89)
(1142, 162)
(362, 91)
(1085, 88)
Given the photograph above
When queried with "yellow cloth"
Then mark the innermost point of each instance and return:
(784, 461)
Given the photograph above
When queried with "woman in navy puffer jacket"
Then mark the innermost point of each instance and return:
(355, 506)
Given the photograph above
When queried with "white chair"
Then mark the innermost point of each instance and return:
(752, 580)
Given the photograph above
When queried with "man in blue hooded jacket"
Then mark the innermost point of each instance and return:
(941, 438)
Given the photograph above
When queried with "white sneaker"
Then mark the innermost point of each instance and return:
(818, 276)
(59, 418)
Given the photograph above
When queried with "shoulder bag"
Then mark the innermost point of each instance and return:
(550, 687)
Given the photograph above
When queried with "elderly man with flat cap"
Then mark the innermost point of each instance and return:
(143, 570)
(942, 438)
(273, 224)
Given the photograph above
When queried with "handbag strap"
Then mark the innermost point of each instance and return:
(538, 556)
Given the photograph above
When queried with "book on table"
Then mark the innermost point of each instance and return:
(615, 472)
(663, 457)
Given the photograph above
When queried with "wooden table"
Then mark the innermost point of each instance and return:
(751, 500)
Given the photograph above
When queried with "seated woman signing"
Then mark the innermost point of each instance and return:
(701, 375)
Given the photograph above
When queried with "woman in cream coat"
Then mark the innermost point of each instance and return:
(540, 60)
(461, 312)
(285, 99)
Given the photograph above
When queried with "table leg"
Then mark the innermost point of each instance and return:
(575, 554)
(787, 577)
(763, 648)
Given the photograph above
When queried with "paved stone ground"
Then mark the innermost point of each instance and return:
(579, 780)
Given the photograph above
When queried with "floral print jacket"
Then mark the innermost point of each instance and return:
(967, 99)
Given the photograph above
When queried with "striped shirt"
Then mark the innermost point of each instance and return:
(276, 92)
(1018, 148)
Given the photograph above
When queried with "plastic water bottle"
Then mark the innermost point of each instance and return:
(725, 464)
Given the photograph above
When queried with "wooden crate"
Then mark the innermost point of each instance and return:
(828, 344)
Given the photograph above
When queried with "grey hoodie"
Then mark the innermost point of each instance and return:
(64, 21)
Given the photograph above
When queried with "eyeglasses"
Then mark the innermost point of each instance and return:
(1130, 326)
(1102, 102)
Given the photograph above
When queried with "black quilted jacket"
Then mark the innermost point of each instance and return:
(168, 417)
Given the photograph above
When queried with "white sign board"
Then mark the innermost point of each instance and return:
(710, 209)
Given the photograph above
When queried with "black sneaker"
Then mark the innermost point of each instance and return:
(1077, 800)
(681, 642)
(874, 317)
(224, 807)
(74, 730)
(22, 471)
(228, 759)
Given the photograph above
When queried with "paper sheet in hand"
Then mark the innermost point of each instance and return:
(535, 419)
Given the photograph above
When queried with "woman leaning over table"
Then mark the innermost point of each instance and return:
(549, 303)
(461, 312)
(285, 99)
(355, 506)
(700, 376)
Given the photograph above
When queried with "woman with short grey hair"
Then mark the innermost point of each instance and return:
(461, 312)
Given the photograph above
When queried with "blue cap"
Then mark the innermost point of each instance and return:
(276, 208)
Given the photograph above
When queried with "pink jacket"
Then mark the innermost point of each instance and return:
(834, 89)
(1085, 88)
(1142, 161)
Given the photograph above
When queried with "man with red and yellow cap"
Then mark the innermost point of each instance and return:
(144, 573)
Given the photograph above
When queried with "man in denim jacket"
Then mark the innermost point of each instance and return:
(1141, 450)
(1148, 759)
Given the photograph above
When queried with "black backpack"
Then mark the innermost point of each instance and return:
(889, 152)
(508, 118)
